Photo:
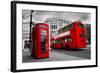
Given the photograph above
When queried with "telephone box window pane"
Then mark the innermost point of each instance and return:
(43, 40)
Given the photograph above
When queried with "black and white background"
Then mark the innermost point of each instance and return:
(56, 20)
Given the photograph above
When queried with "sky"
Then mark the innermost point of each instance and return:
(40, 16)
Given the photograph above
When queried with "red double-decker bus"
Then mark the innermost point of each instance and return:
(40, 41)
(72, 36)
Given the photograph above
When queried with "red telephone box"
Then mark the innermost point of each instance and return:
(40, 41)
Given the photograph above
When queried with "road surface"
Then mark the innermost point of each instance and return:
(60, 55)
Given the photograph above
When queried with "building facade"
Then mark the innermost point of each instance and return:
(56, 24)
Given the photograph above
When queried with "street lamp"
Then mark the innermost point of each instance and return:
(31, 28)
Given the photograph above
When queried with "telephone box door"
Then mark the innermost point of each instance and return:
(44, 43)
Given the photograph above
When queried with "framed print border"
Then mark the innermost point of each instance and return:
(14, 27)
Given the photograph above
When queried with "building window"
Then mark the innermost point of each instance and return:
(53, 26)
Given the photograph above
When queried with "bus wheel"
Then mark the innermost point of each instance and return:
(67, 47)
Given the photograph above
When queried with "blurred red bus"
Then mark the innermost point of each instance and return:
(72, 36)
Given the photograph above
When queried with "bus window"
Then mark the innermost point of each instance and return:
(60, 31)
(80, 25)
(82, 35)
(69, 40)
(56, 41)
(66, 29)
(70, 26)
